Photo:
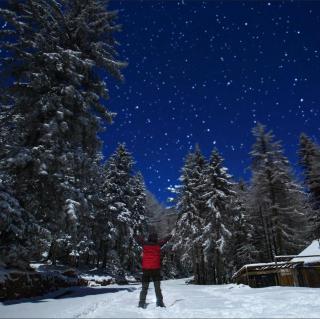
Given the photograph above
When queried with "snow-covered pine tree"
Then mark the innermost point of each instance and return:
(91, 183)
(309, 158)
(57, 52)
(114, 216)
(21, 237)
(124, 210)
(7, 137)
(278, 202)
(218, 221)
(137, 206)
(104, 230)
(186, 240)
(242, 240)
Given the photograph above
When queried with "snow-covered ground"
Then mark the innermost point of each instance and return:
(182, 301)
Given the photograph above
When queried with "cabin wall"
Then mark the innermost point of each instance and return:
(286, 277)
(257, 280)
(311, 276)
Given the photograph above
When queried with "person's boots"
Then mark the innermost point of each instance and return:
(142, 304)
(160, 304)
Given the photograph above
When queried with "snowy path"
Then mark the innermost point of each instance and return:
(183, 301)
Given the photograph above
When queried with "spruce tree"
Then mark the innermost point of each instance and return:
(123, 211)
(186, 240)
(309, 158)
(58, 53)
(137, 206)
(92, 187)
(212, 236)
(21, 237)
(217, 220)
(242, 248)
(278, 202)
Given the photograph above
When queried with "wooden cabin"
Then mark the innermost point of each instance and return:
(302, 270)
(267, 274)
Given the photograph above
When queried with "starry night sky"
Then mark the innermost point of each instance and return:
(205, 72)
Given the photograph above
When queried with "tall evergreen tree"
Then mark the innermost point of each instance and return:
(216, 235)
(58, 52)
(278, 202)
(124, 210)
(137, 206)
(213, 235)
(92, 187)
(242, 247)
(309, 156)
(186, 242)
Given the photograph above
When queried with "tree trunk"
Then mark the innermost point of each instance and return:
(52, 253)
(266, 234)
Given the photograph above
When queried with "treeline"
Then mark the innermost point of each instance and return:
(224, 224)
(57, 201)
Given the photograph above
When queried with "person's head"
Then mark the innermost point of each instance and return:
(153, 237)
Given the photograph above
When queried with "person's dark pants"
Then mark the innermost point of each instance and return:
(151, 275)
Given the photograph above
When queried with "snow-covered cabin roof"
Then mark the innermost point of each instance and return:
(312, 249)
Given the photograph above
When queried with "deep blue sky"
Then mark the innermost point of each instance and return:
(204, 72)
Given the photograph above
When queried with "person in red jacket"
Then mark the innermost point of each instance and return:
(151, 265)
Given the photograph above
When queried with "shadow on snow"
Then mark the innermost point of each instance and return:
(71, 292)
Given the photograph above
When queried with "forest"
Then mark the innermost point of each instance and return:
(62, 201)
